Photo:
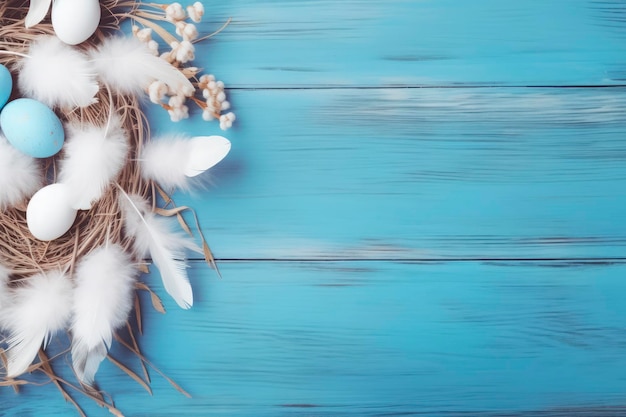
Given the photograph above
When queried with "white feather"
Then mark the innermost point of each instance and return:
(103, 299)
(57, 74)
(36, 12)
(37, 310)
(164, 159)
(87, 361)
(127, 66)
(20, 175)
(94, 156)
(172, 161)
(152, 235)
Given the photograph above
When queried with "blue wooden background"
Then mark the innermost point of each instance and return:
(422, 214)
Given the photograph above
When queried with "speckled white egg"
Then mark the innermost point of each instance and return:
(74, 21)
(32, 127)
(49, 214)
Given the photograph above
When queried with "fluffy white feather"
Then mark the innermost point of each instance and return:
(94, 156)
(20, 175)
(173, 161)
(37, 310)
(127, 66)
(152, 235)
(103, 299)
(36, 12)
(164, 159)
(57, 74)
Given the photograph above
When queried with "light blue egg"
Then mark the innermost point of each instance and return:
(32, 127)
(6, 85)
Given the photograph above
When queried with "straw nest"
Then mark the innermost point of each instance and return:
(21, 252)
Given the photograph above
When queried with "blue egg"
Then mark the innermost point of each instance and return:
(6, 85)
(32, 127)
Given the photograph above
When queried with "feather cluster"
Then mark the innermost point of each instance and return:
(60, 75)
(127, 66)
(103, 183)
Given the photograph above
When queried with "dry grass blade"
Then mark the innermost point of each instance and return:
(157, 303)
(206, 250)
(230, 19)
(183, 224)
(208, 257)
(136, 345)
(178, 213)
(156, 300)
(143, 358)
(46, 368)
(165, 196)
(13, 383)
(138, 314)
(130, 373)
(92, 394)
(171, 212)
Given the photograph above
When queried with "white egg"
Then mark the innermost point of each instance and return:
(74, 21)
(205, 151)
(49, 214)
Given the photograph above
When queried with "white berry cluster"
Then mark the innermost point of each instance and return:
(181, 52)
(145, 36)
(215, 101)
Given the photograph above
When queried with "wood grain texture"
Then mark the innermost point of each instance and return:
(379, 339)
(420, 42)
(346, 176)
(419, 174)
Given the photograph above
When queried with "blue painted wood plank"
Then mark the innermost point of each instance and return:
(427, 42)
(418, 174)
(379, 338)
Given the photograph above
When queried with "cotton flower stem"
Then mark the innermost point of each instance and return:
(134, 4)
(155, 5)
(149, 15)
(164, 34)
(199, 102)
(203, 106)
